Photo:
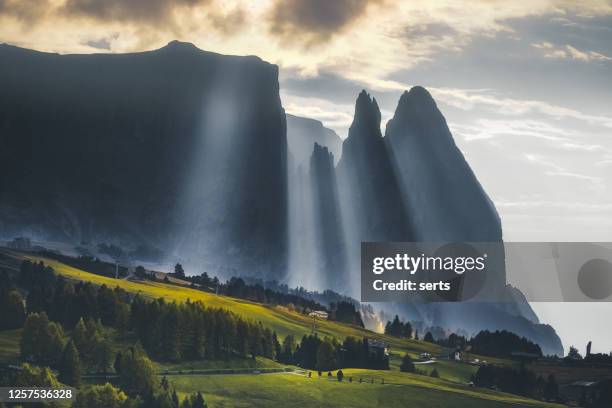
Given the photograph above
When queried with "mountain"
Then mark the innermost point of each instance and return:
(187, 151)
(314, 258)
(368, 183)
(327, 216)
(303, 133)
(442, 194)
(414, 184)
(176, 147)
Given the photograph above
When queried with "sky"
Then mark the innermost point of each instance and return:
(525, 87)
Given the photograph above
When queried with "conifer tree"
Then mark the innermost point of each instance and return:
(70, 366)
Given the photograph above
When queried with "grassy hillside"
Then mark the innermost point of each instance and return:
(400, 389)
(9, 346)
(280, 319)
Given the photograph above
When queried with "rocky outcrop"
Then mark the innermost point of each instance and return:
(329, 239)
(368, 183)
(178, 147)
(445, 200)
(415, 185)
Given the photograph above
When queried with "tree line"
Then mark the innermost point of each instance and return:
(498, 343)
(502, 344)
(167, 330)
(315, 353)
(398, 328)
(237, 287)
(519, 381)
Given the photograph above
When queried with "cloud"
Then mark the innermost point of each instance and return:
(560, 137)
(229, 22)
(604, 163)
(569, 52)
(101, 42)
(467, 99)
(154, 11)
(333, 115)
(310, 22)
(24, 10)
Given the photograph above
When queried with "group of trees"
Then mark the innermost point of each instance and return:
(502, 344)
(599, 358)
(407, 366)
(575, 358)
(150, 393)
(168, 331)
(328, 354)
(401, 329)
(11, 304)
(140, 387)
(256, 292)
(398, 328)
(66, 302)
(345, 312)
(498, 343)
(189, 330)
(92, 340)
(454, 341)
(517, 381)
(44, 342)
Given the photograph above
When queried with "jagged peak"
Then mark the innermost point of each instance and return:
(416, 95)
(320, 149)
(320, 154)
(416, 106)
(367, 111)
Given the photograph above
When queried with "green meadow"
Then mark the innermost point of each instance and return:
(297, 390)
(9, 346)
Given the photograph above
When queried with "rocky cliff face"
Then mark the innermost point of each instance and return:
(157, 146)
(445, 200)
(327, 217)
(368, 183)
(303, 133)
(415, 185)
